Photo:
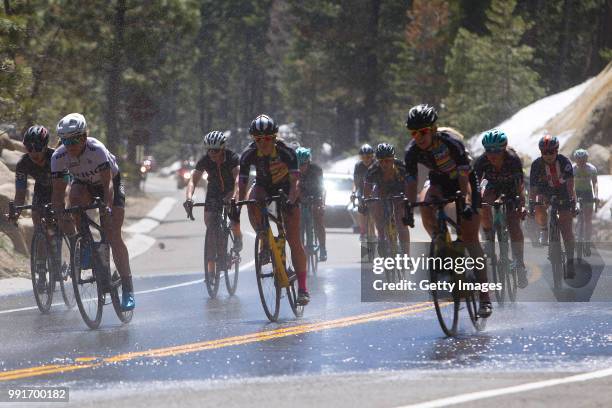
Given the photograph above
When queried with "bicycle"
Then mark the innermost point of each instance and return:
(441, 247)
(368, 247)
(390, 233)
(92, 278)
(48, 262)
(308, 235)
(271, 268)
(219, 250)
(502, 270)
(583, 247)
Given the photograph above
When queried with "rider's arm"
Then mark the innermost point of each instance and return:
(568, 174)
(236, 176)
(21, 183)
(533, 181)
(20, 195)
(294, 182)
(195, 178)
(595, 187)
(465, 188)
(59, 182)
(243, 173)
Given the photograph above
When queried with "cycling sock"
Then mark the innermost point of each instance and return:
(127, 284)
(302, 280)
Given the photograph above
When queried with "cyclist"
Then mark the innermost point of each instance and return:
(276, 169)
(37, 164)
(500, 171)
(387, 178)
(95, 173)
(450, 171)
(585, 182)
(552, 175)
(366, 158)
(221, 165)
(311, 185)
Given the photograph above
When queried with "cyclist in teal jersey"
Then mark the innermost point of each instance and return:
(585, 184)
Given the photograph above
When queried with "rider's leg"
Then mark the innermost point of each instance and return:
(517, 243)
(379, 220)
(298, 255)
(256, 193)
(428, 214)
(318, 215)
(542, 220)
(486, 219)
(588, 222)
(565, 226)
(208, 219)
(79, 196)
(402, 230)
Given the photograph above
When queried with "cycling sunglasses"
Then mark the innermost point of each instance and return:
(265, 138)
(494, 151)
(72, 141)
(420, 132)
(548, 152)
(35, 148)
(214, 151)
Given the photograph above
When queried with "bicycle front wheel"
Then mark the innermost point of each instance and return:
(87, 290)
(446, 301)
(211, 266)
(116, 295)
(269, 289)
(43, 282)
(65, 272)
(233, 267)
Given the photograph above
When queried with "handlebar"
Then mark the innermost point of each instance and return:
(97, 204)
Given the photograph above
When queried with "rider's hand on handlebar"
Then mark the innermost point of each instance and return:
(408, 219)
(188, 206)
(467, 212)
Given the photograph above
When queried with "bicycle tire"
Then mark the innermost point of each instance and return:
(211, 278)
(555, 256)
(231, 282)
(43, 299)
(116, 292)
(472, 307)
(64, 269)
(503, 263)
(269, 290)
(579, 241)
(448, 327)
(292, 295)
(88, 292)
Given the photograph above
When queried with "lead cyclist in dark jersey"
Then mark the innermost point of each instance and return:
(276, 168)
(95, 173)
(450, 171)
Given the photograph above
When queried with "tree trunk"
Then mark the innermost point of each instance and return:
(372, 75)
(564, 40)
(113, 86)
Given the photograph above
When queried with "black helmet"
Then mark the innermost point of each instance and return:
(421, 116)
(384, 150)
(263, 125)
(36, 138)
(366, 149)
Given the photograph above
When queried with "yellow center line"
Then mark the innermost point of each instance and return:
(220, 343)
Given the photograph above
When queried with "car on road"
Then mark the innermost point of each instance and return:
(338, 189)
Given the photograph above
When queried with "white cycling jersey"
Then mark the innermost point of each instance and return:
(85, 168)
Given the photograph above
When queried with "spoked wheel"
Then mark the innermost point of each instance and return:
(64, 269)
(87, 290)
(512, 283)
(269, 290)
(233, 267)
(446, 302)
(211, 275)
(312, 258)
(292, 293)
(43, 282)
(503, 267)
(116, 295)
(494, 266)
(471, 301)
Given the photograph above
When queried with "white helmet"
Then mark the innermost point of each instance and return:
(71, 125)
(215, 140)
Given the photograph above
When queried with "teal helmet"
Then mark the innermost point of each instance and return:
(494, 140)
(303, 155)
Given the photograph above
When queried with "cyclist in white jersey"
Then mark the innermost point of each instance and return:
(585, 183)
(94, 173)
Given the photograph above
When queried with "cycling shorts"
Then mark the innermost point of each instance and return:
(96, 190)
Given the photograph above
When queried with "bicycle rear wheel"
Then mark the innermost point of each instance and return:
(233, 261)
(87, 290)
(64, 269)
(43, 282)
(116, 295)
(211, 277)
(503, 265)
(269, 290)
(446, 302)
(472, 306)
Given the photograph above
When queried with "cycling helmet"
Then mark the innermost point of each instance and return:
(581, 154)
(366, 149)
(303, 155)
(215, 140)
(548, 143)
(421, 116)
(263, 125)
(494, 140)
(36, 138)
(72, 125)
(384, 150)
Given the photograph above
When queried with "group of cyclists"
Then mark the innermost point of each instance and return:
(85, 165)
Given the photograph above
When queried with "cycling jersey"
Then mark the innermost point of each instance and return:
(506, 180)
(359, 174)
(85, 168)
(551, 179)
(220, 178)
(41, 175)
(311, 181)
(392, 186)
(272, 172)
(583, 178)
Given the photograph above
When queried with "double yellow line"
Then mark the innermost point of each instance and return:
(91, 362)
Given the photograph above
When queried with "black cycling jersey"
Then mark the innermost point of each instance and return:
(551, 179)
(359, 174)
(272, 172)
(41, 175)
(311, 182)
(393, 186)
(220, 179)
(506, 180)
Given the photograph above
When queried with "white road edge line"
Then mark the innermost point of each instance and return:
(473, 396)
(178, 285)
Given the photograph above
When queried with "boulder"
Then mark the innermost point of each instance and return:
(10, 158)
(600, 157)
(6, 175)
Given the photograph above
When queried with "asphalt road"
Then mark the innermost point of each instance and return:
(184, 349)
